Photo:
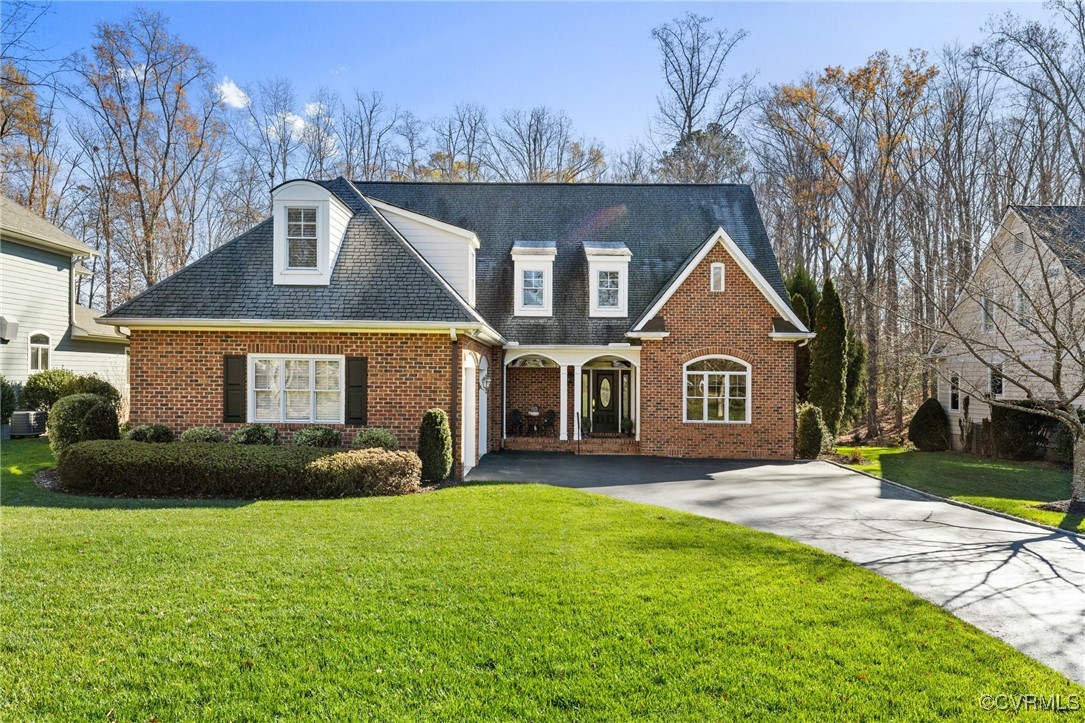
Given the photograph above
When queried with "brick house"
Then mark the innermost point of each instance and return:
(586, 318)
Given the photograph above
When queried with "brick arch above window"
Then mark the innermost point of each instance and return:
(715, 351)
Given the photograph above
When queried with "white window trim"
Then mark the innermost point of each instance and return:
(952, 386)
(987, 316)
(712, 277)
(545, 266)
(250, 384)
(287, 238)
(622, 267)
(31, 347)
(685, 387)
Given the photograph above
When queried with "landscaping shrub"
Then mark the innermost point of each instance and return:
(8, 400)
(375, 438)
(247, 471)
(813, 437)
(1064, 440)
(66, 419)
(154, 433)
(1019, 433)
(435, 446)
(100, 422)
(929, 428)
(203, 434)
(92, 384)
(324, 437)
(365, 472)
(255, 434)
(42, 389)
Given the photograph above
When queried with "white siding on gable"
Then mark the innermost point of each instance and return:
(452, 255)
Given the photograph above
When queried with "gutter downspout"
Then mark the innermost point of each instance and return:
(454, 423)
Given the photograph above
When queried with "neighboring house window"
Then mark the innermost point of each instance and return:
(609, 286)
(534, 291)
(301, 238)
(717, 277)
(1024, 307)
(717, 390)
(296, 388)
(1018, 246)
(988, 309)
(39, 352)
(954, 393)
(996, 384)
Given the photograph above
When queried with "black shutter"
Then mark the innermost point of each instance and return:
(234, 394)
(357, 403)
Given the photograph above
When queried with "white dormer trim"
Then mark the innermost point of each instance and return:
(600, 260)
(332, 217)
(743, 262)
(535, 259)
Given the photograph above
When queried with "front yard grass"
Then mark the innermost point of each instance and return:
(476, 602)
(1014, 488)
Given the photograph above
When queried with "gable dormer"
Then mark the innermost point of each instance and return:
(533, 266)
(608, 278)
(309, 225)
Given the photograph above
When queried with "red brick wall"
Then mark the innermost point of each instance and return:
(176, 376)
(540, 386)
(735, 323)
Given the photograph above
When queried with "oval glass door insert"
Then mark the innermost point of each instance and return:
(604, 391)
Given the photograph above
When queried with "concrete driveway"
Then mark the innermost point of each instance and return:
(1018, 582)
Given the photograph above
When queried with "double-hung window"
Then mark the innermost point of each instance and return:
(39, 352)
(996, 383)
(296, 388)
(988, 313)
(717, 390)
(609, 286)
(954, 392)
(301, 238)
(534, 289)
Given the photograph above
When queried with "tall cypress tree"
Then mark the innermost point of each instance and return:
(802, 354)
(828, 369)
(800, 282)
(855, 381)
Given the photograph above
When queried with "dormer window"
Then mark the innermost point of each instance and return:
(534, 269)
(608, 278)
(309, 225)
(301, 238)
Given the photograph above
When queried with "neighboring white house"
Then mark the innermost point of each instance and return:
(41, 325)
(1028, 290)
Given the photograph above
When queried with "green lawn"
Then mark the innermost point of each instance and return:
(481, 602)
(1014, 488)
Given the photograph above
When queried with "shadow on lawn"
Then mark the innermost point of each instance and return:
(16, 492)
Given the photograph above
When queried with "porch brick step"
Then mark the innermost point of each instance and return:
(594, 445)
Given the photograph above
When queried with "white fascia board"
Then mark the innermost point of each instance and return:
(388, 208)
(724, 239)
(539, 255)
(792, 336)
(28, 240)
(647, 335)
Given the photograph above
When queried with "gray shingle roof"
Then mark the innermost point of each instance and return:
(1062, 228)
(376, 278)
(662, 225)
(16, 219)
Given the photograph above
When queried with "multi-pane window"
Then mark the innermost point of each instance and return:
(301, 238)
(988, 311)
(954, 392)
(297, 389)
(995, 381)
(717, 277)
(534, 288)
(717, 390)
(609, 284)
(39, 352)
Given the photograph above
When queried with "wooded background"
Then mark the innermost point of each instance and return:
(888, 178)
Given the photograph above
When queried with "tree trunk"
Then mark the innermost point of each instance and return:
(1077, 483)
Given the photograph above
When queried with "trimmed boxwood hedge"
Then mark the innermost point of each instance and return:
(202, 434)
(255, 434)
(929, 428)
(208, 470)
(152, 433)
(375, 438)
(323, 437)
(65, 425)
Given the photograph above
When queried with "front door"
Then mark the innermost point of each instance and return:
(604, 399)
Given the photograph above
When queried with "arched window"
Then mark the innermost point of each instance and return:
(717, 391)
(39, 352)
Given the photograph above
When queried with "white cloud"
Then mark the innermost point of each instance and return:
(231, 94)
(337, 71)
(314, 109)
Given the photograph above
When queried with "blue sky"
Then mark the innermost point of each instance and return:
(596, 61)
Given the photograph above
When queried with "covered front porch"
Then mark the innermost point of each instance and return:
(572, 399)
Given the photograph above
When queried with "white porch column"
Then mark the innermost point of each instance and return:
(564, 429)
(636, 389)
(577, 392)
(504, 402)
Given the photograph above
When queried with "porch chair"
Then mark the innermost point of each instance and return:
(548, 420)
(516, 421)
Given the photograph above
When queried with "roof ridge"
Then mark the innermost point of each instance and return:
(558, 185)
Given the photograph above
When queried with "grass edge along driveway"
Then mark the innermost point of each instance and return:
(475, 602)
(1013, 488)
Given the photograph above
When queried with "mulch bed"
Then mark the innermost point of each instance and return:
(1056, 506)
